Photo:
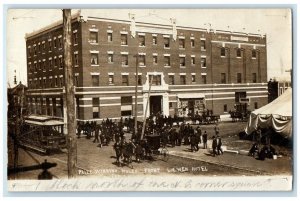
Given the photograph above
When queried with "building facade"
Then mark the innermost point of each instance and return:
(181, 70)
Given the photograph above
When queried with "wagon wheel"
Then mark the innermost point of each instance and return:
(164, 154)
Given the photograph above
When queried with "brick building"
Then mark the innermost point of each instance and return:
(192, 69)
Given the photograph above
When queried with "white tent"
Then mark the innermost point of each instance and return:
(277, 114)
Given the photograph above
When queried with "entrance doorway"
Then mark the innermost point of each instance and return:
(191, 106)
(155, 104)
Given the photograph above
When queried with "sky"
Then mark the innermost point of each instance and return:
(275, 23)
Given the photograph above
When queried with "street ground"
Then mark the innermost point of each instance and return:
(96, 161)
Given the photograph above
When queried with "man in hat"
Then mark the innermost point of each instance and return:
(204, 137)
(214, 145)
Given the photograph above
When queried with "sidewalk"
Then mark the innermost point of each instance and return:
(233, 160)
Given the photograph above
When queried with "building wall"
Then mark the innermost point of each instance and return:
(217, 94)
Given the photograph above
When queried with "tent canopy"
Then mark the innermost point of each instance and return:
(280, 106)
(277, 114)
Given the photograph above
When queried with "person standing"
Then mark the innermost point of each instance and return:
(217, 130)
(118, 149)
(219, 145)
(97, 130)
(214, 145)
(198, 137)
(204, 137)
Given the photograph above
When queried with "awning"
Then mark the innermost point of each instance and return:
(187, 96)
(46, 123)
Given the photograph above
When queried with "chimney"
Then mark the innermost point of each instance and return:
(174, 30)
(132, 26)
(15, 78)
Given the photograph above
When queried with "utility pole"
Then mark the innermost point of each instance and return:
(135, 102)
(69, 95)
(146, 109)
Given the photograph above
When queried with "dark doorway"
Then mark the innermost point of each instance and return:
(191, 106)
(155, 104)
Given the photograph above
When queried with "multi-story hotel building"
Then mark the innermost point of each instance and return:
(192, 68)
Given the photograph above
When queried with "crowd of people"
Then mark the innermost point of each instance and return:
(262, 148)
(170, 132)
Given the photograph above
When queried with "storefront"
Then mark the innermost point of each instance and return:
(190, 104)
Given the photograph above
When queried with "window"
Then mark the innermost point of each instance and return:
(171, 80)
(139, 79)
(55, 43)
(55, 62)
(141, 41)
(110, 79)
(44, 46)
(255, 105)
(170, 105)
(155, 59)
(156, 79)
(203, 79)
(154, 40)
(34, 50)
(181, 43)
(238, 53)
(95, 80)
(61, 81)
(167, 61)
(56, 81)
(60, 42)
(203, 45)
(35, 67)
(125, 81)
(239, 78)
(126, 105)
(54, 106)
(254, 54)
(124, 60)
(193, 78)
(225, 108)
(94, 58)
(110, 58)
(50, 45)
(166, 42)
(50, 82)
(29, 51)
(61, 62)
(93, 37)
(193, 60)
(182, 61)
(76, 80)
(39, 47)
(75, 38)
(44, 84)
(254, 77)
(192, 43)
(123, 39)
(203, 62)
(142, 60)
(223, 52)
(109, 37)
(44, 65)
(182, 79)
(96, 108)
(223, 78)
(40, 65)
(76, 59)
